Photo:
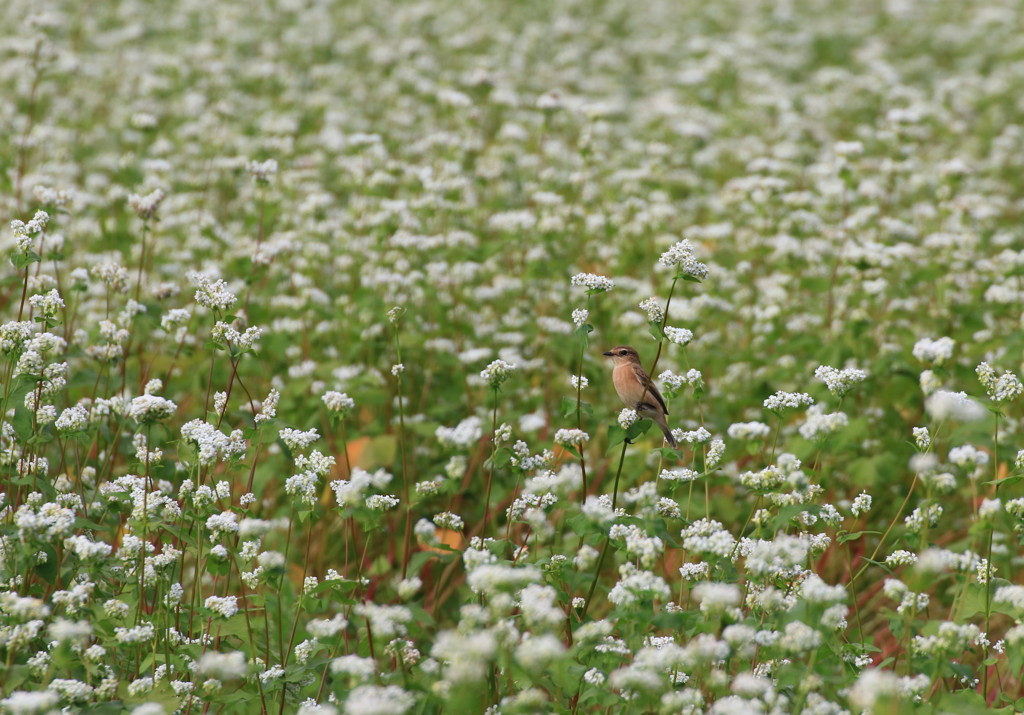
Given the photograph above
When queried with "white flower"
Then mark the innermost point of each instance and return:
(1001, 388)
(225, 606)
(146, 206)
(338, 402)
(223, 666)
(592, 282)
(653, 309)
(496, 373)
(571, 437)
(934, 352)
(839, 382)
(716, 597)
(681, 257)
(787, 400)
(628, 417)
(679, 336)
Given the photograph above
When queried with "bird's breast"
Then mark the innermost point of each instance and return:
(626, 385)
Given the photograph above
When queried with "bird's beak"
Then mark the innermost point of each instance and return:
(607, 354)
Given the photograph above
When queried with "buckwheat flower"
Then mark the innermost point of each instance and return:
(592, 282)
(377, 700)
(271, 560)
(578, 382)
(571, 437)
(326, 628)
(261, 171)
(115, 608)
(539, 651)
(708, 536)
(1001, 388)
(304, 487)
(781, 555)
(681, 257)
(716, 598)
(943, 405)
(338, 402)
(465, 434)
(48, 304)
(636, 585)
(798, 637)
(268, 408)
(223, 666)
(748, 430)
(594, 677)
(840, 382)
(818, 426)
(716, 449)
(917, 519)
(497, 373)
(146, 206)
(679, 336)
(667, 508)
(23, 702)
(142, 633)
(1011, 595)
(150, 408)
(355, 667)
(654, 311)
(73, 419)
(900, 557)
(395, 314)
(787, 400)
(397, 369)
(861, 504)
(297, 439)
(225, 606)
(934, 352)
(628, 417)
(951, 638)
(220, 524)
(212, 294)
(579, 316)
(968, 457)
(1015, 507)
(64, 630)
(447, 520)
(679, 474)
(645, 549)
(381, 502)
(990, 508)
(873, 685)
(922, 438)
(272, 673)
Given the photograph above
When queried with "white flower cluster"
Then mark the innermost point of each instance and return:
(840, 382)
(787, 401)
(496, 373)
(681, 256)
(592, 282)
(1000, 388)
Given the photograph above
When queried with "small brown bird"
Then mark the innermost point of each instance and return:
(637, 390)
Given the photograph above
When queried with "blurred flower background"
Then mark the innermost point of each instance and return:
(302, 401)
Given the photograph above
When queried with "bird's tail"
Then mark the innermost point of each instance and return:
(663, 424)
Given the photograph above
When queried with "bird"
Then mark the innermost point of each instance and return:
(636, 390)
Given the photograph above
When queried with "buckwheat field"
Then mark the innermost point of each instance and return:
(303, 407)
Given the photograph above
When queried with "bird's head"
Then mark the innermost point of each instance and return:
(622, 355)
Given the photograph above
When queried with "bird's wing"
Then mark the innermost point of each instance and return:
(652, 389)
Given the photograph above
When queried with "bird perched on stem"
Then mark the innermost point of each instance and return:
(637, 390)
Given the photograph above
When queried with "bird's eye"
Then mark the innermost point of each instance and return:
(622, 352)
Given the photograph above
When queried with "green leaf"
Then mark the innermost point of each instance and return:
(852, 535)
(616, 435)
(21, 260)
